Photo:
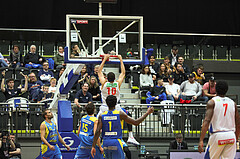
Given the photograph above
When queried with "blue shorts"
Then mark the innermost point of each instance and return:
(46, 153)
(85, 153)
(113, 149)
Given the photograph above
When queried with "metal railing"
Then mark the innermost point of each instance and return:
(164, 122)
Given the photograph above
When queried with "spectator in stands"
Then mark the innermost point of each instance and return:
(148, 54)
(192, 90)
(5, 144)
(94, 89)
(153, 65)
(52, 88)
(83, 96)
(172, 89)
(199, 75)
(170, 68)
(3, 62)
(75, 50)
(33, 59)
(179, 75)
(60, 73)
(10, 91)
(43, 95)
(45, 74)
(83, 78)
(59, 58)
(185, 67)
(209, 88)
(157, 92)
(173, 57)
(16, 152)
(146, 79)
(95, 73)
(16, 59)
(34, 87)
(163, 73)
(178, 143)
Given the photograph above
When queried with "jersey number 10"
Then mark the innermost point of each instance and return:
(112, 90)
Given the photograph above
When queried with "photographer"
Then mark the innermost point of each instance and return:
(5, 143)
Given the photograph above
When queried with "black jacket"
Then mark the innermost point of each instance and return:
(34, 58)
(173, 145)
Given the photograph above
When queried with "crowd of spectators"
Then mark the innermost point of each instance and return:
(40, 83)
(180, 83)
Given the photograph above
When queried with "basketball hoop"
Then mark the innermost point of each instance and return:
(113, 56)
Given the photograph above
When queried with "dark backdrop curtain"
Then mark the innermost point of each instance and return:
(159, 15)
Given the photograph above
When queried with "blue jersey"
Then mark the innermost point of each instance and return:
(51, 134)
(86, 134)
(111, 125)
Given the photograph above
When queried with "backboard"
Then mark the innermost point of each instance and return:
(98, 35)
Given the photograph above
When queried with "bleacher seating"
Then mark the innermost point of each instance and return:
(155, 48)
(193, 51)
(208, 52)
(4, 47)
(182, 50)
(165, 49)
(48, 48)
(222, 52)
(4, 116)
(24, 70)
(9, 72)
(235, 52)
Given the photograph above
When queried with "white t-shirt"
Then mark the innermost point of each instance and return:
(223, 118)
(52, 89)
(146, 80)
(173, 89)
(110, 89)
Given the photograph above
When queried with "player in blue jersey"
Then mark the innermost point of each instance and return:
(88, 126)
(110, 124)
(50, 137)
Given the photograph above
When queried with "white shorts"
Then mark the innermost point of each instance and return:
(221, 144)
(104, 108)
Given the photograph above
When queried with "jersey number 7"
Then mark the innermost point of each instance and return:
(226, 106)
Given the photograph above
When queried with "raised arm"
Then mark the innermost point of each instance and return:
(12, 144)
(206, 122)
(26, 84)
(129, 120)
(123, 71)
(100, 74)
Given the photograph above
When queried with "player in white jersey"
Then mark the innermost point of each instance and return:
(223, 121)
(110, 87)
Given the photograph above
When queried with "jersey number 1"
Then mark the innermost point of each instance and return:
(110, 125)
(226, 106)
(114, 90)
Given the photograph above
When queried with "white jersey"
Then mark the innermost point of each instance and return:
(224, 115)
(110, 89)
